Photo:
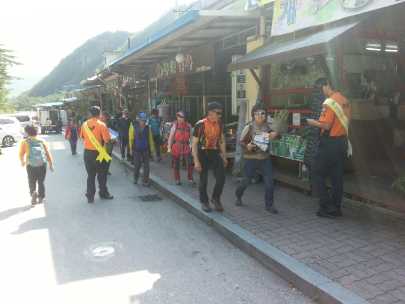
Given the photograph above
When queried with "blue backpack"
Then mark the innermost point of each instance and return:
(37, 156)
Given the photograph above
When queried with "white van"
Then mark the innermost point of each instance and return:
(24, 119)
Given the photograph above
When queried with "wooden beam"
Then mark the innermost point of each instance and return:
(256, 78)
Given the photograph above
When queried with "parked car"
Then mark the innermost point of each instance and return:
(24, 119)
(8, 122)
(9, 135)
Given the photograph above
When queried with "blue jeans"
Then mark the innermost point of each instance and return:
(266, 169)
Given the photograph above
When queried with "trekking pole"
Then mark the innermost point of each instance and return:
(122, 158)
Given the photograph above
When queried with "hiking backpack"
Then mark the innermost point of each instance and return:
(37, 156)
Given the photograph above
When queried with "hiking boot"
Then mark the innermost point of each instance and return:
(192, 183)
(238, 202)
(205, 207)
(217, 204)
(135, 182)
(336, 213)
(145, 184)
(34, 197)
(159, 159)
(271, 209)
(90, 199)
(327, 210)
(178, 182)
(41, 200)
(106, 196)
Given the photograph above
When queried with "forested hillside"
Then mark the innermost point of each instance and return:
(80, 64)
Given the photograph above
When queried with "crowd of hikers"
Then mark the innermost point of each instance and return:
(202, 148)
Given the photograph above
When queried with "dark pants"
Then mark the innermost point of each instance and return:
(329, 159)
(94, 168)
(125, 143)
(139, 158)
(190, 166)
(207, 158)
(158, 142)
(73, 144)
(266, 169)
(36, 175)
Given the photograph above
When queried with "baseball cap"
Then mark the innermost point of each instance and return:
(142, 117)
(126, 111)
(181, 113)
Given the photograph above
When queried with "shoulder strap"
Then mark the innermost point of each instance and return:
(337, 109)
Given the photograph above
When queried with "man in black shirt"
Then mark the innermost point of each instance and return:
(124, 124)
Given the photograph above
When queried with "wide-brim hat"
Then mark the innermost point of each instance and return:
(126, 111)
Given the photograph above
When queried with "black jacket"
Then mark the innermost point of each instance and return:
(124, 125)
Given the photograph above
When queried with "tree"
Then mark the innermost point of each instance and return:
(6, 60)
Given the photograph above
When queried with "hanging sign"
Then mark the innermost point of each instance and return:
(292, 15)
(195, 61)
(181, 86)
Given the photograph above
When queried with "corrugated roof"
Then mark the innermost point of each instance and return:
(49, 104)
(287, 48)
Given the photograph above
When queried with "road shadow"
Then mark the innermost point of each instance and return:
(33, 224)
(14, 211)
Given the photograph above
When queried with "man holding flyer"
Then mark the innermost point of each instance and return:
(96, 159)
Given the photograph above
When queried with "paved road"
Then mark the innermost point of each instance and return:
(162, 254)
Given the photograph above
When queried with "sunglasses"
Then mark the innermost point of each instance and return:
(218, 113)
(181, 116)
(260, 113)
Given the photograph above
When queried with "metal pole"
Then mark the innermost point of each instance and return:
(149, 99)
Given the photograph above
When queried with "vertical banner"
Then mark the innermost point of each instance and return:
(292, 15)
(243, 106)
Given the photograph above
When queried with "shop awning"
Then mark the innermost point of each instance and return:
(49, 104)
(192, 30)
(309, 43)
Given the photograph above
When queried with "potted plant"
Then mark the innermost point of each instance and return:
(399, 184)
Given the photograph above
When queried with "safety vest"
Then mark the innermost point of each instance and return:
(141, 142)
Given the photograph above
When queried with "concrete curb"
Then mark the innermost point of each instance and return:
(312, 283)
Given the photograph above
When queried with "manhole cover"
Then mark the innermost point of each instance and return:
(103, 251)
(150, 198)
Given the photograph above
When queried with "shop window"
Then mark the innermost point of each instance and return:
(298, 74)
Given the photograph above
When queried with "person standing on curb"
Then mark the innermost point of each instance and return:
(331, 151)
(96, 159)
(72, 133)
(124, 124)
(256, 159)
(104, 117)
(208, 135)
(37, 155)
(179, 145)
(141, 145)
(59, 126)
(154, 123)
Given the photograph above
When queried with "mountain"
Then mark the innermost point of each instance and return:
(80, 64)
(22, 85)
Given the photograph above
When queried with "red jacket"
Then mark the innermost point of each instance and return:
(179, 138)
(68, 133)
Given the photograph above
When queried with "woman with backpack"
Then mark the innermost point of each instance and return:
(37, 155)
(72, 133)
(256, 159)
(179, 144)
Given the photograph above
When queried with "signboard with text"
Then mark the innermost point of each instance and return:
(195, 61)
(289, 146)
(252, 4)
(292, 15)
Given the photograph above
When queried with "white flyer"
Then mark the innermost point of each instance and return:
(261, 140)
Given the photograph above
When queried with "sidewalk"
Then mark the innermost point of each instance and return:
(363, 251)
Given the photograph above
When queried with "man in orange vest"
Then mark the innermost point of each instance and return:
(332, 148)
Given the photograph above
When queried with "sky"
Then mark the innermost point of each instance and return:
(43, 32)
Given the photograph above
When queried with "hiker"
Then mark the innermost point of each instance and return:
(124, 124)
(154, 123)
(59, 126)
(255, 158)
(36, 156)
(104, 117)
(332, 148)
(208, 135)
(96, 159)
(72, 133)
(179, 144)
(141, 145)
